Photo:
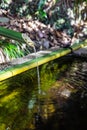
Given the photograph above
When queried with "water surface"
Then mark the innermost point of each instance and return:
(62, 103)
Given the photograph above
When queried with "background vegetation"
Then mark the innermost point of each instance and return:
(48, 23)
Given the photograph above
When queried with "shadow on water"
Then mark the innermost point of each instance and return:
(71, 116)
(61, 105)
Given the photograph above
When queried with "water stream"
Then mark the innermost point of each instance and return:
(37, 115)
(38, 73)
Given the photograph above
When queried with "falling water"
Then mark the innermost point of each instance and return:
(37, 115)
(38, 73)
(31, 43)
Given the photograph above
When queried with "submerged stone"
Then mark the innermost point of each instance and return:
(66, 93)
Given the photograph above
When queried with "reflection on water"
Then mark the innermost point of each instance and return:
(61, 105)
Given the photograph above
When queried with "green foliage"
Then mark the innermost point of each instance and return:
(11, 50)
(16, 7)
(41, 4)
(41, 14)
(59, 23)
(16, 48)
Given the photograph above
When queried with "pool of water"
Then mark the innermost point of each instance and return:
(62, 103)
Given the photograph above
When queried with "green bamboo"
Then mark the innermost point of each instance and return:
(11, 34)
(14, 70)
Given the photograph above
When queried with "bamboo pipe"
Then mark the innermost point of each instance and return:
(15, 70)
(11, 34)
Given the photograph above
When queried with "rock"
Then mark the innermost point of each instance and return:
(66, 93)
(4, 20)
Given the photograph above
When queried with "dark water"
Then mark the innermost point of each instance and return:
(61, 105)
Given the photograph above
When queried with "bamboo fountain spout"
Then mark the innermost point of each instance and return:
(28, 40)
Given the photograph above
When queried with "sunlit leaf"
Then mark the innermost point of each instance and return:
(41, 4)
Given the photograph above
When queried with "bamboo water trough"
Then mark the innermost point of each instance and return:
(23, 64)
